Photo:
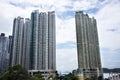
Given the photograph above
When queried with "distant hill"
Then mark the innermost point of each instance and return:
(115, 70)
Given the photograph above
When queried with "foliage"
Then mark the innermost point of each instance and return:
(70, 76)
(100, 78)
(115, 70)
(60, 77)
(88, 79)
(34, 78)
(38, 76)
(15, 73)
(106, 79)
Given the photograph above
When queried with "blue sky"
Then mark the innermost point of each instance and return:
(106, 12)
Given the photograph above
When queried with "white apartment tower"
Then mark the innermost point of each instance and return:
(34, 43)
(42, 48)
(88, 45)
(20, 42)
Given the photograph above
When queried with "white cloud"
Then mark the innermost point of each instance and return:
(108, 18)
(65, 30)
(110, 58)
(88, 4)
(66, 59)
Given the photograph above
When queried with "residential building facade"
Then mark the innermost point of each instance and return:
(34, 43)
(4, 55)
(87, 45)
(20, 42)
(42, 43)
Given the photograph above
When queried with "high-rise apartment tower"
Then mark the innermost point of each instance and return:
(20, 42)
(4, 55)
(88, 45)
(34, 43)
(42, 43)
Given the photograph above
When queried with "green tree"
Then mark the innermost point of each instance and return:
(37, 76)
(16, 72)
(34, 78)
(60, 77)
(88, 79)
(70, 76)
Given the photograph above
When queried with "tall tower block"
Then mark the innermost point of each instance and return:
(87, 45)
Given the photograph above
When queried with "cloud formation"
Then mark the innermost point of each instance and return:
(106, 12)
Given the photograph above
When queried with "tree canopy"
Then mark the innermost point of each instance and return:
(17, 72)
